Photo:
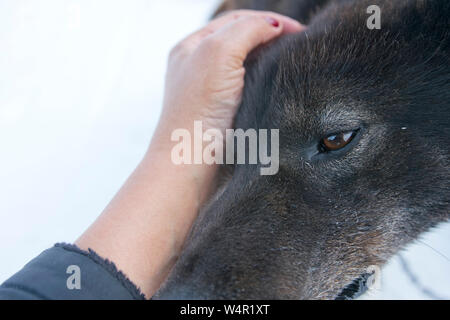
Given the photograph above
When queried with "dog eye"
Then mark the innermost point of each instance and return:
(337, 141)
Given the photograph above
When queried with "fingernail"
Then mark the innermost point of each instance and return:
(273, 22)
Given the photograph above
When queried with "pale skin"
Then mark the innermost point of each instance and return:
(144, 227)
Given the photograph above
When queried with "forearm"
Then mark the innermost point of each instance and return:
(144, 227)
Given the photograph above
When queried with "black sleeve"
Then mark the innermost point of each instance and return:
(67, 272)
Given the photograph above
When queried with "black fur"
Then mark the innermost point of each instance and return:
(312, 229)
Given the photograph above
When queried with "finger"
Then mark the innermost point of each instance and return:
(221, 21)
(248, 32)
(289, 25)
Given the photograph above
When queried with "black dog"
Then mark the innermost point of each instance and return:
(364, 155)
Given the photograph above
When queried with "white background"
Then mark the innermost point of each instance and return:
(81, 86)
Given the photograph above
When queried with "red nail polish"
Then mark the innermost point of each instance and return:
(273, 22)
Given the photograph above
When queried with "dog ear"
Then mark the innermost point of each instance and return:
(226, 5)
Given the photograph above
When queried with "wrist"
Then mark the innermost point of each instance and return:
(194, 181)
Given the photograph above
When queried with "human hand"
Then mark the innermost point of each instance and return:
(205, 75)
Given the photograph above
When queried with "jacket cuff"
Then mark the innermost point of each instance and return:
(67, 272)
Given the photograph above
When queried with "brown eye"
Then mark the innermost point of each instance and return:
(337, 141)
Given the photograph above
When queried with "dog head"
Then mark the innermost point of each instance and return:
(363, 118)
